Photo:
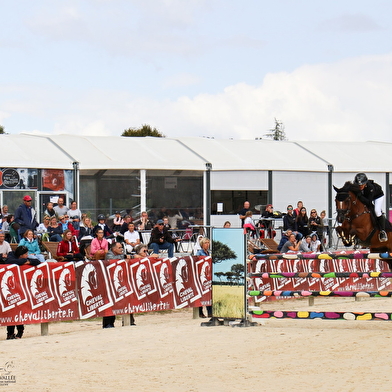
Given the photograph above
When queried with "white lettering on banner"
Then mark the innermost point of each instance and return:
(14, 298)
(146, 307)
(44, 315)
(93, 300)
(145, 288)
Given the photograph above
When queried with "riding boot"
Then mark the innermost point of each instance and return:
(381, 224)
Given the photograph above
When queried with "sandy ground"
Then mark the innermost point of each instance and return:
(172, 352)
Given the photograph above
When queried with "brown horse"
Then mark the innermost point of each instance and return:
(358, 223)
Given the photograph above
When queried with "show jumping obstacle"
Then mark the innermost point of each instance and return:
(301, 274)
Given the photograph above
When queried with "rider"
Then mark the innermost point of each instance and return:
(372, 195)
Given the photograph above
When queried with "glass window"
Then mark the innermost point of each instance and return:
(233, 201)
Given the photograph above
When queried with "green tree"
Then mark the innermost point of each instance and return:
(278, 132)
(2, 130)
(221, 252)
(230, 277)
(238, 271)
(219, 275)
(144, 130)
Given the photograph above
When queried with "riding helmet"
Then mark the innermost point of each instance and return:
(361, 179)
(101, 216)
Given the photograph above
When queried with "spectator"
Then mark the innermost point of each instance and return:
(43, 227)
(68, 248)
(117, 221)
(101, 225)
(99, 245)
(25, 216)
(66, 224)
(267, 224)
(4, 210)
(161, 239)
(173, 218)
(28, 240)
(75, 215)
(227, 225)
(127, 221)
(315, 224)
(290, 223)
(13, 228)
(131, 238)
(242, 212)
(298, 209)
(166, 223)
(141, 251)
(86, 235)
(302, 222)
(50, 210)
(292, 245)
(144, 223)
(315, 243)
(285, 237)
(5, 248)
(204, 251)
(60, 209)
(20, 257)
(324, 221)
(248, 224)
(305, 245)
(54, 230)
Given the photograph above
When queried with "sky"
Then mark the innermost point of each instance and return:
(203, 68)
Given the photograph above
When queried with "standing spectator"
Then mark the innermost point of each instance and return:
(25, 216)
(324, 220)
(173, 218)
(49, 209)
(298, 209)
(161, 239)
(267, 224)
(28, 240)
(68, 247)
(99, 245)
(290, 222)
(242, 212)
(60, 209)
(20, 257)
(4, 210)
(75, 215)
(5, 248)
(131, 238)
(315, 224)
(302, 222)
(204, 251)
(127, 221)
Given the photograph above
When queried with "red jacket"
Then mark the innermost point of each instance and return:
(63, 248)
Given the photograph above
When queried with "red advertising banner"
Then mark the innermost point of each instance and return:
(340, 264)
(70, 291)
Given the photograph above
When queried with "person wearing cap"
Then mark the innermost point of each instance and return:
(161, 239)
(101, 225)
(20, 257)
(25, 216)
(372, 195)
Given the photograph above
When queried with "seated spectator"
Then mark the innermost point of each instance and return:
(68, 247)
(5, 248)
(267, 224)
(54, 230)
(166, 223)
(66, 224)
(28, 240)
(305, 245)
(131, 238)
(49, 210)
(127, 221)
(161, 239)
(101, 225)
(13, 228)
(141, 251)
(144, 223)
(248, 224)
(86, 235)
(117, 221)
(19, 257)
(75, 215)
(315, 243)
(116, 252)
(99, 245)
(292, 245)
(2, 221)
(227, 225)
(43, 227)
(285, 237)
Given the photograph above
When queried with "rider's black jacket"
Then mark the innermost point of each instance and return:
(371, 192)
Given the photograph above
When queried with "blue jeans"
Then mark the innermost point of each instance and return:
(166, 245)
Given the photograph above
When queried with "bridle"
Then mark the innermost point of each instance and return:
(344, 214)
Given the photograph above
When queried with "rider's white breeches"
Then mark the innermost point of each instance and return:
(378, 203)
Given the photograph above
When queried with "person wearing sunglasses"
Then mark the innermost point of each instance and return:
(141, 251)
(162, 239)
(315, 224)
